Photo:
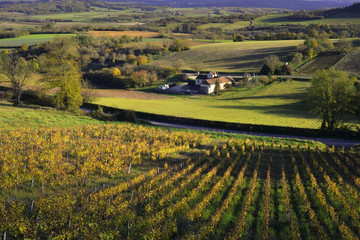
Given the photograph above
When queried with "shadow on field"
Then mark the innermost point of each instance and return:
(280, 96)
(249, 57)
(297, 110)
(23, 106)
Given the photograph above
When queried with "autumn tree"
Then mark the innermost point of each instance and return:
(115, 72)
(63, 71)
(272, 65)
(141, 78)
(344, 45)
(238, 38)
(132, 59)
(142, 60)
(330, 95)
(179, 45)
(217, 87)
(16, 71)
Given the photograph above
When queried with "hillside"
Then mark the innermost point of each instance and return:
(302, 4)
(324, 60)
(134, 182)
(34, 117)
(279, 104)
(350, 63)
(231, 56)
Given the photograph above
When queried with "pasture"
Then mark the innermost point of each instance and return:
(280, 19)
(279, 104)
(34, 117)
(131, 34)
(83, 16)
(30, 40)
(226, 26)
(231, 56)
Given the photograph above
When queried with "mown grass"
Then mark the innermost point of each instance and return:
(31, 39)
(279, 104)
(226, 26)
(83, 16)
(279, 19)
(132, 34)
(34, 117)
(232, 56)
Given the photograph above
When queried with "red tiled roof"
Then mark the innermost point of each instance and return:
(221, 80)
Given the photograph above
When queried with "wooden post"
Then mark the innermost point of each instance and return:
(32, 207)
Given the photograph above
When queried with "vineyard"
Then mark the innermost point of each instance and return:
(132, 182)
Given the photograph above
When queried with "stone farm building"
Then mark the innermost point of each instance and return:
(208, 86)
(206, 82)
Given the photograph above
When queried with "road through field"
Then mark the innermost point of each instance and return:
(327, 141)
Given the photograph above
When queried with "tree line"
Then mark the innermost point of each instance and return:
(70, 64)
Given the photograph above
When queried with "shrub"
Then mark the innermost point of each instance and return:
(99, 114)
(263, 79)
(37, 98)
(238, 38)
(125, 115)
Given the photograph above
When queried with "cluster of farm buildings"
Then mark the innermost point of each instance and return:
(207, 82)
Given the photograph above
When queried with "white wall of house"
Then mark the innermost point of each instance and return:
(222, 86)
(209, 89)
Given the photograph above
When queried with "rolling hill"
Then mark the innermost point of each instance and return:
(296, 5)
(231, 56)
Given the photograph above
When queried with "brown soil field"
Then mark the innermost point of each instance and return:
(127, 94)
(122, 33)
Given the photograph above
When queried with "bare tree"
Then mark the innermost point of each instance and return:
(178, 65)
(16, 71)
(198, 66)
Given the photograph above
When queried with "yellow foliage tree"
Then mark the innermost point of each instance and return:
(142, 59)
(131, 58)
(115, 72)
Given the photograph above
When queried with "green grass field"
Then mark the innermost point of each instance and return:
(279, 103)
(83, 16)
(31, 39)
(34, 117)
(232, 56)
(226, 26)
(280, 19)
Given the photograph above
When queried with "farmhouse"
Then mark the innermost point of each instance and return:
(208, 86)
(200, 78)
